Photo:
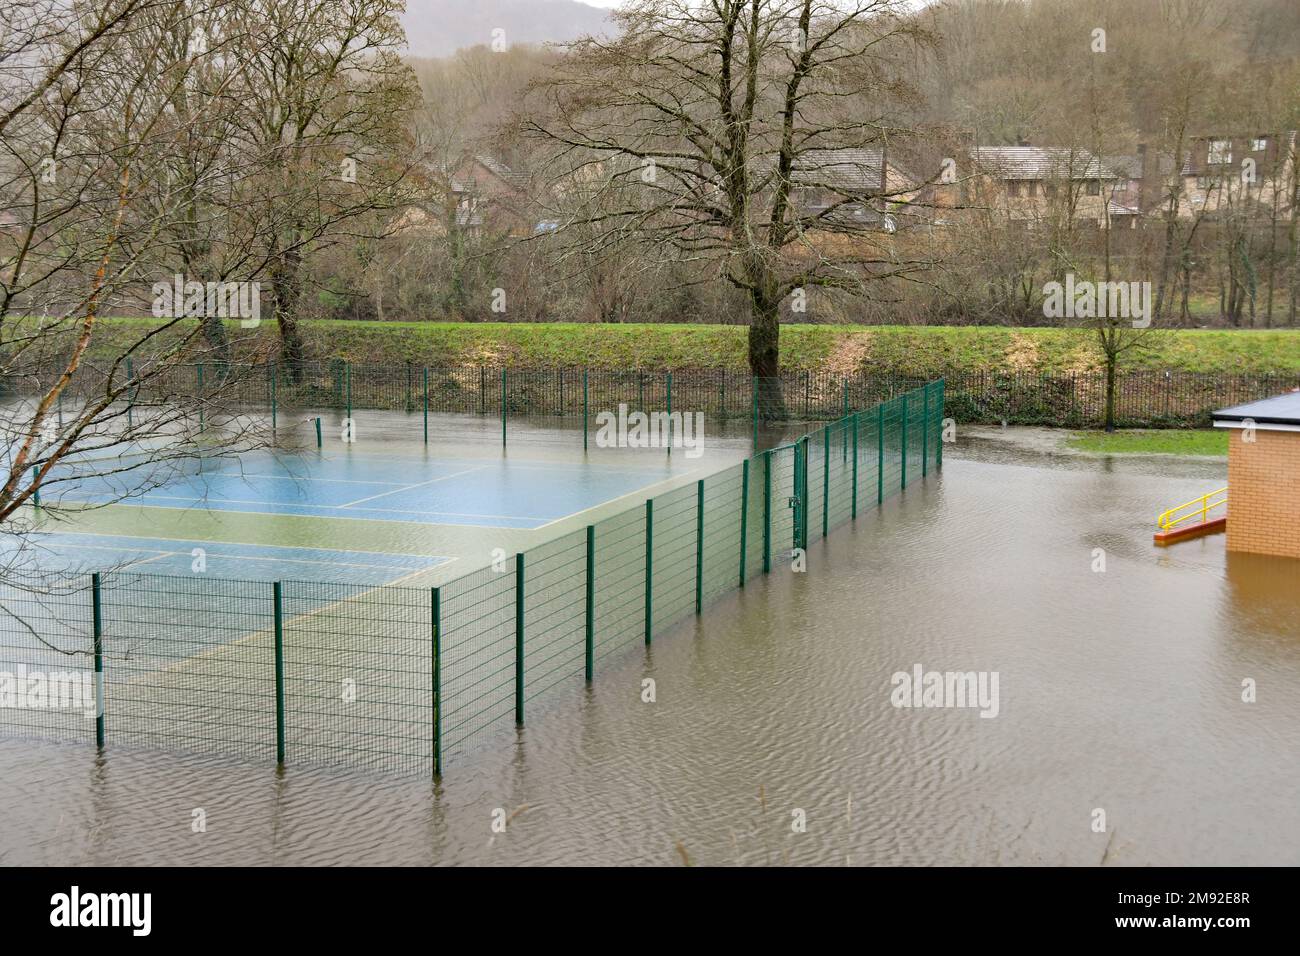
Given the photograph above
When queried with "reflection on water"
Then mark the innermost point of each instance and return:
(1119, 689)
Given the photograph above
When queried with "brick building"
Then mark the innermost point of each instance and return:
(1264, 475)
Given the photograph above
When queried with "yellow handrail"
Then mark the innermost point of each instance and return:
(1196, 508)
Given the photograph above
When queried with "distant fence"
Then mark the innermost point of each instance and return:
(572, 397)
(400, 679)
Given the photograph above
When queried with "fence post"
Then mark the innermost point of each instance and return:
(585, 412)
(902, 443)
(435, 615)
(826, 481)
(274, 397)
(503, 408)
(767, 511)
(199, 368)
(36, 488)
(97, 619)
(670, 413)
(925, 430)
(347, 370)
(699, 546)
(854, 506)
(519, 638)
(880, 453)
(590, 629)
(744, 517)
(649, 568)
(277, 603)
(319, 441)
(426, 404)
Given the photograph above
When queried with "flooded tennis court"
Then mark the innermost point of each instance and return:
(773, 734)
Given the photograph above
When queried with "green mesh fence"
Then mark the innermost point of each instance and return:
(401, 679)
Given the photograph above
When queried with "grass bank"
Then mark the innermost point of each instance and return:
(1211, 442)
(841, 350)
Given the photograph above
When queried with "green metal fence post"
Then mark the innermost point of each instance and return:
(97, 619)
(589, 641)
(426, 404)
(277, 604)
(880, 453)
(649, 568)
(503, 408)
(902, 442)
(699, 546)
(435, 615)
(767, 511)
(670, 413)
(744, 518)
(36, 488)
(854, 507)
(925, 430)
(519, 638)
(320, 442)
(347, 368)
(826, 481)
(585, 419)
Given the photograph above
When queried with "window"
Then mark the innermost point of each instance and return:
(1013, 188)
(1094, 187)
(1220, 152)
(1033, 187)
(1259, 144)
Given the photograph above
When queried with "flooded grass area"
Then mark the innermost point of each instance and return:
(1120, 670)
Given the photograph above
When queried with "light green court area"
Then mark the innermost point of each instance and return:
(1210, 442)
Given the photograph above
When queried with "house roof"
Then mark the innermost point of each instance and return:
(1053, 162)
(1280, 410)
(850, 170)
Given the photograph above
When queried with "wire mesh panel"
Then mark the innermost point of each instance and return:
(722, 532)
(674, 551)
(555, 613)
(620, 581)
(358, 662)
(47, 661)
(478, 655)
(189, 664)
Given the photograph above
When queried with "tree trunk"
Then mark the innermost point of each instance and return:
(286, 285)
(765, 355)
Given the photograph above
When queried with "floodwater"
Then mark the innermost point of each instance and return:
(1118, 690)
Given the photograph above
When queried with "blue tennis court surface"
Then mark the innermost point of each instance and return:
(79, 553)
(493, 492)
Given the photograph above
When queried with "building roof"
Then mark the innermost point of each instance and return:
(850, 170)
(1053, 162)
(1280, 410)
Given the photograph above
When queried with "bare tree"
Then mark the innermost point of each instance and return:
(749, 135)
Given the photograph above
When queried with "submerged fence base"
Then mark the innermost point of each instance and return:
(399, 679)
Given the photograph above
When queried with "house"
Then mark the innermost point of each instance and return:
(1035, 183)
(1264, 475)
(479, 195)
(1222, 172)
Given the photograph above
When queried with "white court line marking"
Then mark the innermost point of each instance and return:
(241, 544)
(207, 545)
(249, 474)
(420, 484)
(348, 517)
(327, 508)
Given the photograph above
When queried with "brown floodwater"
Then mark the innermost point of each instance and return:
(1119, 690)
